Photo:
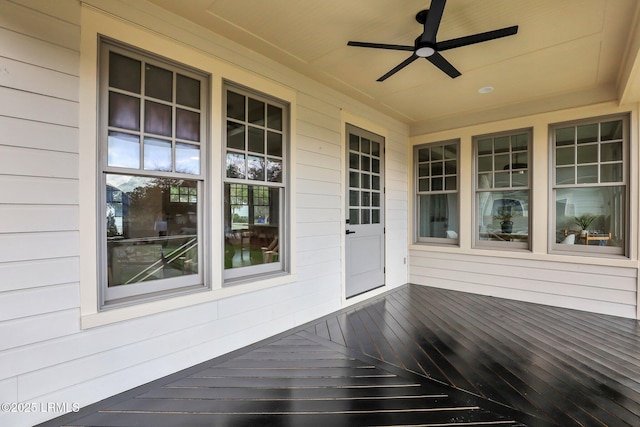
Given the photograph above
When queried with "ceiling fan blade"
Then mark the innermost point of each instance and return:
(381, 46)
(476, 38)
(432, 23)
(399, 67)
(439, 61)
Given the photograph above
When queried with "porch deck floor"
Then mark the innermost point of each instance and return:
(413, 356)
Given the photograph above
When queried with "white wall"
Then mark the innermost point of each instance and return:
(53, 347)
(599, 284)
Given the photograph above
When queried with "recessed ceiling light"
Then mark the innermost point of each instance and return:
(486, 89)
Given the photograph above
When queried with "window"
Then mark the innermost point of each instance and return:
(502, 189)
(436, 172)
(152, 175)
(590, 189)
(254, 184)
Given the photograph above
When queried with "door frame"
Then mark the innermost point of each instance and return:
(348, 118)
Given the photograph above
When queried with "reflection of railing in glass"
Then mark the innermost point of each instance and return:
(143, 259)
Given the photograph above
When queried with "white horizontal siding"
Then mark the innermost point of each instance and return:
(30, 218)
(38, 190)
(37, 135)
(34, 329)
(37, 273)
(601, 289)
(36, 107)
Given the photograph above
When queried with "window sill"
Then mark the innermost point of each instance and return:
(93, 320)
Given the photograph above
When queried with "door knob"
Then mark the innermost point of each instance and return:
(350, 232)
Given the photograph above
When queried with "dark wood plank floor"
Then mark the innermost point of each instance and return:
(576, 368)
(414, 356)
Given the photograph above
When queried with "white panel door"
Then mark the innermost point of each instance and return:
(364, 246)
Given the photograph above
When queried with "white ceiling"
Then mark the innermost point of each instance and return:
(566, 53)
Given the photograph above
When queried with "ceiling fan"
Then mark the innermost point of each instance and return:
(426, 46)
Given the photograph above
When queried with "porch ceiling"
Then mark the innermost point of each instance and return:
(566, 54)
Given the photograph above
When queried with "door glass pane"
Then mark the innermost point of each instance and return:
(354, 142)
(375, 182)
(157, 154)
(365, 146)
(187, 125)
(375, 216)
(365, 216)
(375, 148)
(354, 198)
(375, 165)
(157, 118)
(188, 158)
(150, 237)
(354, 217)
(365, 163)
(366, 180)
(375, 199)
(124, 111)
(187, 91)
(366, 198)
(158, 83)
(124, 73)
(354, 161)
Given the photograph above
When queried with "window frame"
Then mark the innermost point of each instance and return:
(589, 250)
(416, 167)
(494, 244)
(115, 297)
(240, 275)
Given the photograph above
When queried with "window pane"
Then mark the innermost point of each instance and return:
(149, 237)
(611, 172)
(437, 169)
(123, 150)
(124, 111)
(503, 179)
(188, 158)
(520, 160)
(187, 125)
(565, 136)
(157, 118)
(187, 91)
(519, 142)
(485, 180)
(450, 152)
(602, 207)
(503, 162)
(158, 83)
(588, 153)
(611, 152)
(157, 155)
(520, 178)
(436, 153)
(124, 73)
(503, 216)
(274, 170)
(274, 117)
(485, 146)
(436, 184)
(423, 155)
(565, 176)
(255, 169)
(251, 225)
(274, 144)
(256, 112)
(611, 130)
(235, 165)
(587, 174)
(256, 140)
(424, 185)
(424, 170)
(565, 156)
(438, 215)
(501, 145)
(485, 163)
(587, 133)
(451, 167)
(235, 135)
(354, 161)
(235, 106)
(451, 183)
